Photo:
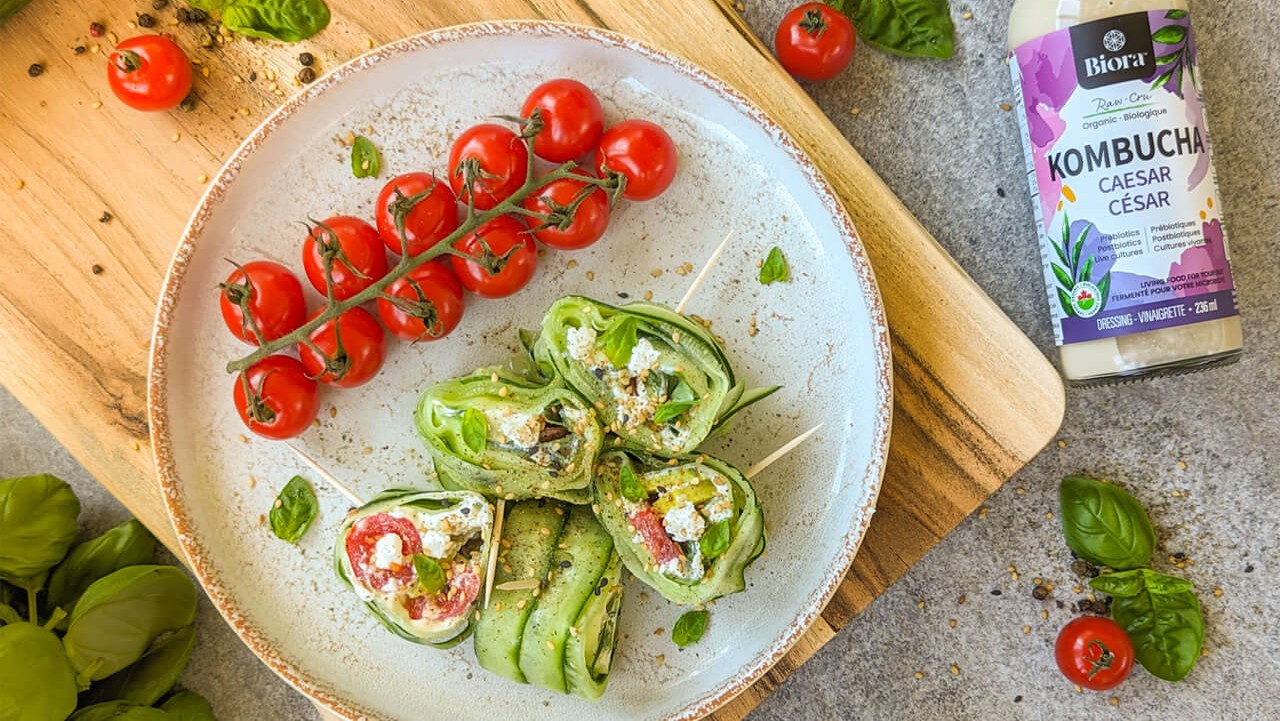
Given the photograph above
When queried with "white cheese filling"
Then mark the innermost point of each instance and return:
(388, 552)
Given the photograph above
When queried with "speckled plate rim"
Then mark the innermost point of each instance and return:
(157, 380)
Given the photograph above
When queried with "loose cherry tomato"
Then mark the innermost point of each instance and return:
(427, 208)
(353, 361)
(493, 158)
(572, 116)
(365, 535)
(1094, 652)
(643, 153)
(354, 249)
(815, 41)
(271, 294)
(149, 72)
(429, 303)
(569, 227)
(275, 397)
(507, 258)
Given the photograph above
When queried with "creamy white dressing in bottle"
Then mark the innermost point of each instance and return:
(1135, 255)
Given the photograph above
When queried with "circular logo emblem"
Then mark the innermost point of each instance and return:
(1086, 301)
(1114, 41)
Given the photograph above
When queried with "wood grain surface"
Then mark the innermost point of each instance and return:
(974, 400)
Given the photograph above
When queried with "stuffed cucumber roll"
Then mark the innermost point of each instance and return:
(417, 560)
(659, 380)
(505, 436)
(687, 527)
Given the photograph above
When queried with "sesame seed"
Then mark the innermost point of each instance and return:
(1006, 107)
(369, 43)
(1217, 593)
(572, 264)
(952, 623)
(96, 104)
(203, 179)
(19, 184)
(656, 272)
(1026, 630)
(591, 275)
(967, 15)
(1115, 701)
(955, 670)
(175, 137)
(919, 675)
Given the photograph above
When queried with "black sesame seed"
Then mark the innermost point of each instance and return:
(79, 49)
(146, 21)
(106, 217)
(36, 70)
(623, 295)
(565, 563)
(253, 75)
(996, 592)
(306, 59)
(1000, 192)
(306, 75)
(1179, 556)
(466, 510)
(1017, 699)
(1248, 568)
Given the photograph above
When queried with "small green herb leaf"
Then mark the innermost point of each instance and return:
(1104, 525)
(715, 540)
(683, 393)
(690, 627)
(430, 575)
(630, 486)
(774, 269)
(365, 162)
(917, 28)
(620, 340)
(1131, 583)
(287, 20)
(1166, 626)
(294, 510)
(475, 430)
(670, 411)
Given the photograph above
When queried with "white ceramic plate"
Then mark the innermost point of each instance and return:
(821, 335)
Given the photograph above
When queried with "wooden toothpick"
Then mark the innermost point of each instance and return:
(784, 450)
(495, 541)
(702, 274)
(326, 475)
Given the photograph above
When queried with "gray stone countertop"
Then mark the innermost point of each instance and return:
(1199, 451)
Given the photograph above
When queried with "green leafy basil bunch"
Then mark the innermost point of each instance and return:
(287, 20)
(913, 28)
(91, 625)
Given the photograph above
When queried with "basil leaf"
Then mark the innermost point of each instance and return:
(1167, 630)
(365, 162)
(683, 393)
(287, 20)
(1104, 525)
(8, 614)
(1131, 583)
(294, 510)
(430, 575)
(119, 711)
(36, 679)
(128, 544)
(690, 627)
(619, 341)
(475, 430)
(774, 269)
(37, 527)
(715, 540)
(188, 706)
(670, 410)
(155, 674)
(631, 488)
(915, 28)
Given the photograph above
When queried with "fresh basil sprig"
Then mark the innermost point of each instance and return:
(774, 269)
(430, 575)
(690, 627)
(294, 510)
(475, 430)
(1161, 615)
(715, 540)
(1104, 525)
(619, 341)
(287, 20)
(914, 28)
(682, 399)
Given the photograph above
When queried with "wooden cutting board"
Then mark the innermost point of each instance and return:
(974, 399)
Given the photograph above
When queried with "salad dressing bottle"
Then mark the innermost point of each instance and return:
(1119, 159)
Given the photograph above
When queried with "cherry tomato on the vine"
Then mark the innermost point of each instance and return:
(815, 41)
(354, 360)
(493, 158)
(1094, 652)
(272, 295)
(572, 116)
(569, 227)
(643, 153)
(353, 248)
(506, 258)
(428, 303)
(275, 397)
(427, 207)
(149, 72)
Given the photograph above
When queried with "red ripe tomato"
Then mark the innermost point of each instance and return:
(275, 397)
(429, 303)
(506, 258)
(493, 158)
(451, 602)
(353, 361)
(149, 72)
(364, 536)
(1094, 652)
(572, 116)
(656, 540)
(567, 227)
(815, 41)
(643, 153)
(353, 248)
(428, 209)
(271, 294)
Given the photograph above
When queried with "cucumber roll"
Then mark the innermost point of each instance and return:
(417, 560)
(687, 527)
(506, 436)
(659, 380)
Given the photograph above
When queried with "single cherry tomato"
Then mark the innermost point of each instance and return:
(493, 158)
(569, 226)
(643, 153)
(353, 248)
(353, 361)
(815, 41)
(424, 204)
(149, 72)
(271, 294)
(572, 117)
(451, 601)
(364, 537)
(1094, 652)
(506, 258)
(428, 303)
(275, 397)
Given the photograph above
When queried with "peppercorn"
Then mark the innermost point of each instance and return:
(96, 29)
(97, 269)
(36, 70)
(106, 217)
(1040, 592)
(159, 4)
(253, 75)
(306, 59)
(146, 21)
(79, 49)
(306, 75)
(184, 14)
(199, 16)
(188, 103)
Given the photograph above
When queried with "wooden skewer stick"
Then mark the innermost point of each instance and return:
(784, 450)
(327, 476)
(495, 541)
(702, 274)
